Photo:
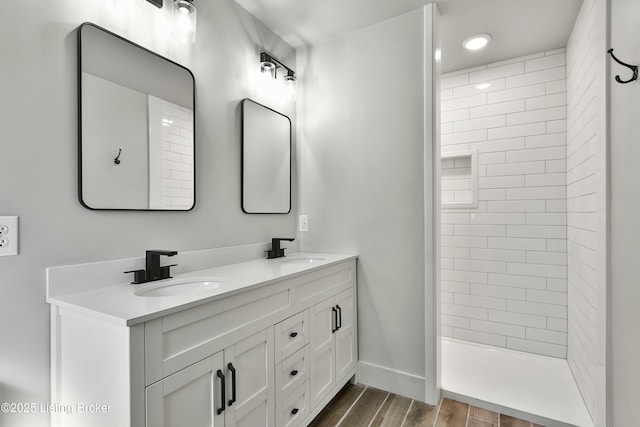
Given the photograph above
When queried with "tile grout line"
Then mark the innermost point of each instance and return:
(407, 413)
(352, 405)
(435, 420)
(468, 415)
(379, 408)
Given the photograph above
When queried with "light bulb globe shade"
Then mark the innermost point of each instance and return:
(290, 78)
(184, 20)
(267, 66)
(477, 41)
(184, 6)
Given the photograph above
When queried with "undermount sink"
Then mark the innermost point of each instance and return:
(192, 285)
(301, 260)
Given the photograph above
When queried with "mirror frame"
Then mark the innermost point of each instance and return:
(242, 167)
(79, 78)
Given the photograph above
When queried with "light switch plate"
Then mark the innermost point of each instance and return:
(8, 235)
(303, 222)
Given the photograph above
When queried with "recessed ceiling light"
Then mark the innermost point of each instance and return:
(483, 86)
(477, 41)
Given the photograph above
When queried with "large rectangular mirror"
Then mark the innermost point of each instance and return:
(136, 126)
(266, 160)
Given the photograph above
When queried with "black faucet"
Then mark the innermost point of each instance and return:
(153, 270)
(276, 251)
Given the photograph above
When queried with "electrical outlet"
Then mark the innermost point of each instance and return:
(8, 235)
(303, 222)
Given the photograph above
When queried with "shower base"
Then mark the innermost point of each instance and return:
(523, 385)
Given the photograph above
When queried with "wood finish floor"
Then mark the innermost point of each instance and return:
(361, 406)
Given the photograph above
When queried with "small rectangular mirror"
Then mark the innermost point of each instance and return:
(136, 118)
(266, 160)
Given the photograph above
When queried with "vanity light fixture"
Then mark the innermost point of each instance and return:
(268, 64)
(184, 20)
(290, 77)
(477, 41)
(156, 3)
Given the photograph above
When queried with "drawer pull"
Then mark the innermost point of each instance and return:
(294, 411)
(233, 383)
(222, 389)
(294, 373)
(293, 334)
(334, 320)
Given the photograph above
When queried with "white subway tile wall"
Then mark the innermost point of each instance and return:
(177, 153)
(586, 204)
(504, 264)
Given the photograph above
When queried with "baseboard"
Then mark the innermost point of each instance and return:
(398, 382)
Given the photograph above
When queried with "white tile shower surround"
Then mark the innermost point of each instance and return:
(586, 203)
(504, 264)
(527, 386)
(177, 155)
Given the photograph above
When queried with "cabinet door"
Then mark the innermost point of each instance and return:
(252, 359)
(190, 397)
(322, 367)
(345, 336)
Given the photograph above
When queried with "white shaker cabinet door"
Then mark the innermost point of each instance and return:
(345, 334)
(322, 367)
(252, 361)
(190, 397)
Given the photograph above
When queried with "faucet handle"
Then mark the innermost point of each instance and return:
(165, 272)
(139, 276)
(159, 252)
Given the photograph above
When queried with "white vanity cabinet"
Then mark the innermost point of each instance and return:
(271, 355)
(234, 387)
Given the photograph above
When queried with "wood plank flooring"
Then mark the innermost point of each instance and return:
(361, 406)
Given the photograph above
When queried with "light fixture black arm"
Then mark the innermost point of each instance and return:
(633, 68)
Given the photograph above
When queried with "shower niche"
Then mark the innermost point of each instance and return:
(459, 179)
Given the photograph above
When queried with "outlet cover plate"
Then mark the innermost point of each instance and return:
(9, 228)
(303, 222)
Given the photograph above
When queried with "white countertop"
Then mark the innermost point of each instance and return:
(120, 304)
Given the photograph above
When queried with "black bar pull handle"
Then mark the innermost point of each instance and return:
(294, 411)
(233, 384)
(293, 334)
(294, 373)
(339, 323)
(222, 389)
(334, 320)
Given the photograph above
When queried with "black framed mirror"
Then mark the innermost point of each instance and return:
(266, 160)
(136, 126)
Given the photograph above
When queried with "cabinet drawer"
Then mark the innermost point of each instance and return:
(291, 335)
(291, 373)
(181, 339)
(294, 408)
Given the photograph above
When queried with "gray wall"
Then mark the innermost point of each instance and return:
(624, 131)
(363, 145)
(115, 117)
(38, 173)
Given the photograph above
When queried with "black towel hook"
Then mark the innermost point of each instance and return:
(633, 68)
(117, 159)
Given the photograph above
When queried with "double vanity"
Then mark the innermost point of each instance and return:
(266, 342)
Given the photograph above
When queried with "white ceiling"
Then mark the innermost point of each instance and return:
(518, 27)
